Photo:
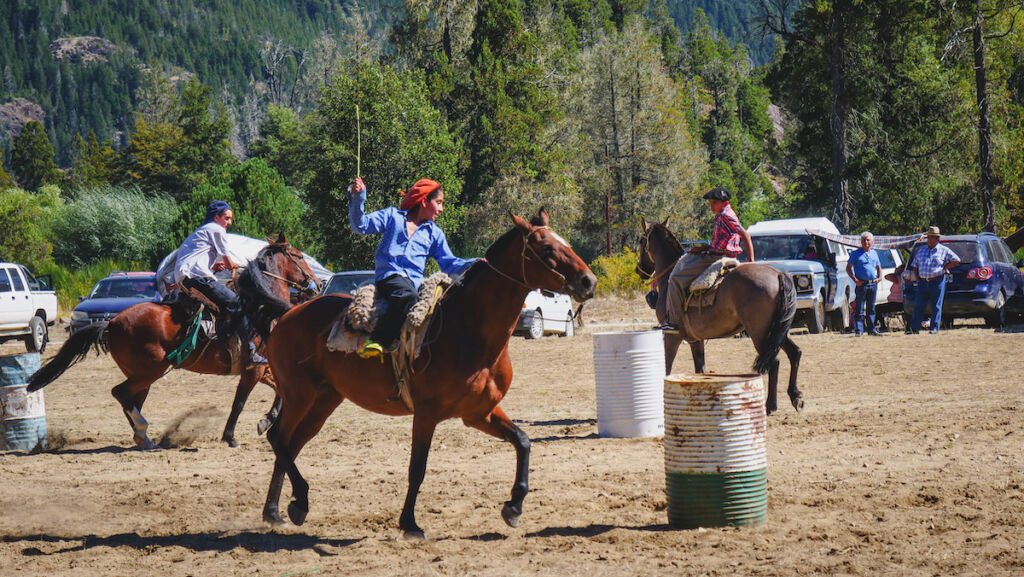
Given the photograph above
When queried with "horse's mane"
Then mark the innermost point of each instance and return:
(257, 289)
(665, 236)
(478, 268)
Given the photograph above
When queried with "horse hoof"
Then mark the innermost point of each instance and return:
(145, 443)
(510, 516)
(274, 519)
(297, 514)
(414, 535)
(231, 442)
(262, 426)
(798, 404)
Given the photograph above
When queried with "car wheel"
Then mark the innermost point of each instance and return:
(839, 319)
(997, 318)
(570, 327)
(35, 341)
(536, 326)
(816, 318)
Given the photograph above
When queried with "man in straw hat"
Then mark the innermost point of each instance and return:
(931, 263)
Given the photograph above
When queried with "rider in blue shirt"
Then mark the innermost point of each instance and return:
(409, 236)
(865, 270)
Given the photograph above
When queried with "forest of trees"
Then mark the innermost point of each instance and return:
(888, 115)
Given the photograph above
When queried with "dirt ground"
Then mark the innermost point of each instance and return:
(906, 461)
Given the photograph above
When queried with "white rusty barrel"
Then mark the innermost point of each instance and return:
(716, 463)
(629, 368)
(22, 414)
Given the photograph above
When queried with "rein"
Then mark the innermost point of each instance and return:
(523, 257)
(656, 276)
(297, 286)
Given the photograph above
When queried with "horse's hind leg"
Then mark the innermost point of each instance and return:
(697, 351)
(246, 383)
(772, 403)
(270, 417)
(131, 394)
(793, 353)
(498, 424)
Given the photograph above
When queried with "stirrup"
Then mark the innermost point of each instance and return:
(370, 349)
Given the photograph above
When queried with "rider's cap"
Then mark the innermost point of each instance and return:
(215, 208)
(717, 193)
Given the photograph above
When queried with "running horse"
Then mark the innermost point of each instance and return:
(463, 371)
(753, 297)
(140, 337)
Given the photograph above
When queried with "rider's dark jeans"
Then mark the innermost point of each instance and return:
(227, 301)
(395, 295)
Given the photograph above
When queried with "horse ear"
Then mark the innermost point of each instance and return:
(519, 221)
(541, 219)
(279, 239)
(665, 224)
(643, 224)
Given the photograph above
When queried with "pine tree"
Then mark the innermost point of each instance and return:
(32, 158)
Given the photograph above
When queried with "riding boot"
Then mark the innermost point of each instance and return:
(244, 331)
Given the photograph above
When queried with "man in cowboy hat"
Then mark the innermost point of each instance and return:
(931, 263)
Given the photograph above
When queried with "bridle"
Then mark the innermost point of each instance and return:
(523, 259)
(654, 276)
(306, 277)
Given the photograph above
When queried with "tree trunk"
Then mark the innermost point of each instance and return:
(984, 128)
(616, 157)
(838, 113)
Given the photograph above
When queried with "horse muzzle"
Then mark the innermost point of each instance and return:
(582, 287)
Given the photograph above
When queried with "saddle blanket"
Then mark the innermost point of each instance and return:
(704, 287)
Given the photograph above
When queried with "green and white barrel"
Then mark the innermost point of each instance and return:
(22, 414)
(716, 463)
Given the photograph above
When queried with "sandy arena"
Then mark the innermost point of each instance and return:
(907, 461)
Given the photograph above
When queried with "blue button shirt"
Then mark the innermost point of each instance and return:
(398, 253)
(865, 264)
(931, 262)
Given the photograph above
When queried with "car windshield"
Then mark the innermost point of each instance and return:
(347, 282)
(784, 247)
(124, 288)
(967, 251)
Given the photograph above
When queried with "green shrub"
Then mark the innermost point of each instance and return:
(121, 224)
(616, 275)
(73, 283)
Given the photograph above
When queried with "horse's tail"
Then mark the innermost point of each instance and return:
(782, 320)
(74, 350)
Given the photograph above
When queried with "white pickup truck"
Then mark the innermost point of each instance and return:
(28, 306)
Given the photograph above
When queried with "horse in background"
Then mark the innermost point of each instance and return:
(140, 337)
(463, 371)
(753, 297)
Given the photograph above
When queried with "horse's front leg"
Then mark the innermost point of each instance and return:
(671, 342)
(498, 424)
(132, 394)
(422, 435)
(697, 351)
(246, 382)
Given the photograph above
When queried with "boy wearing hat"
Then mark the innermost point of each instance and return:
(204, 253)
(931, 263)
(409, 236)
(725, 241)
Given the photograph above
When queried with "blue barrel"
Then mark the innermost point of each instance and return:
(22, 414)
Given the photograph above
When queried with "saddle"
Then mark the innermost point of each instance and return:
(204, 324)
(704, 288)
(359, 319)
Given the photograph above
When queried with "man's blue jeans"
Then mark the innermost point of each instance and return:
(929, 293)
(866, 293)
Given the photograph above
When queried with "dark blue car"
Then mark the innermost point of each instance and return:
(987, 283)
(112, 295)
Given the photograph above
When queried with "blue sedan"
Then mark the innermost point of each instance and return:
(112, 295)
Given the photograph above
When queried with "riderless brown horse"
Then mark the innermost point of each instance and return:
(753, 297)
(140, 337)
(463, 372)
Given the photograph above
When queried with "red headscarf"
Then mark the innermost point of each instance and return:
(418, 193)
